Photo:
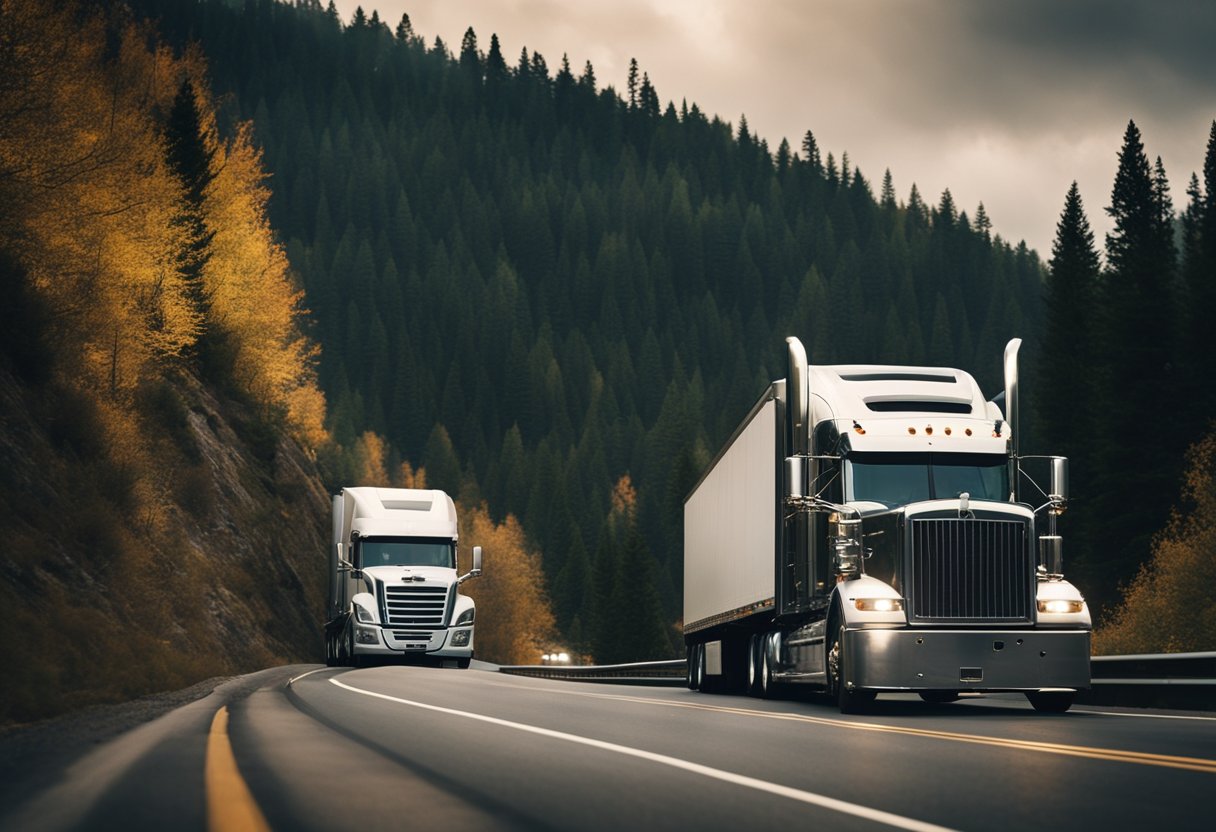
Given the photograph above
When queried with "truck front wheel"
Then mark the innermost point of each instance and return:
(1051, 701)
(849, 701)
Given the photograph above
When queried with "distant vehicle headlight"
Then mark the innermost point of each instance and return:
(364, 615)
(1058, 606)
(465, 617)
(460, 638)
(879, 604)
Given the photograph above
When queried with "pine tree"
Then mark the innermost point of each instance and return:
(810, 152)
(190, 158)
(1068, 390)
(405, 30)
(470, 58)
(888, 191)
(632, 83)
(1138, 346)
(1200, 272)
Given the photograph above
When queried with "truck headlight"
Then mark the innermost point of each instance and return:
(366, 636)
(364, 615)
(1058, 606)
(879, 604)
(460, 639)
(465, 617)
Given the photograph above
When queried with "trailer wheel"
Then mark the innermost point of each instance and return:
(331, 649)
(768, 688)
(849, 701)
(755, 660)
(1051, 701)
(939, 697)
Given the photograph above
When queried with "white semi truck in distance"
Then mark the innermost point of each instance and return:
(393, 587)
(867, 529)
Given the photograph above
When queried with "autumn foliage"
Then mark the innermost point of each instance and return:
(93, 214)
(1169, 606)
(160, 526)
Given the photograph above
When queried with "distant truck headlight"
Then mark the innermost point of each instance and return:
(363, 635)
(461, 638)
(465, 617)
(879, 604)
(364, 615)
(1058, 606)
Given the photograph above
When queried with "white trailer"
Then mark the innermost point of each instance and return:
(393, 586)
(864, 531)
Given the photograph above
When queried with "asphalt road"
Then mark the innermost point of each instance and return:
(418, 748)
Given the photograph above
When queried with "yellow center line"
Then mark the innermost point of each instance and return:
(230, 806)
(1110, 754)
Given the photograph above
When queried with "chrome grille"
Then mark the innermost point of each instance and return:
(414, 605)
(970, 570)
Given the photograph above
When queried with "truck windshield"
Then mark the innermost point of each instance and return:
(898, 479)
(398, 551)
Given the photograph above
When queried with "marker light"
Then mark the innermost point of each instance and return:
(879, 604)
(912, 431)
(1059, 606)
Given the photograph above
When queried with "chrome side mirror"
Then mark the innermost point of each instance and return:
(475, 572)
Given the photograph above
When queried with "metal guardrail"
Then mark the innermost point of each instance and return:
(1162, 680)
(665, 673)
(1158, 680)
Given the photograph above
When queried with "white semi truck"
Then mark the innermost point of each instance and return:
(393, 587)
(873, 528)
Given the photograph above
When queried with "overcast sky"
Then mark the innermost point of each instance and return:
(1002, 102)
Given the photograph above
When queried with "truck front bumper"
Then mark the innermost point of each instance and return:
(398, 641)
(988, 660)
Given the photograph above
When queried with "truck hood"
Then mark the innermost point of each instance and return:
(394, 575)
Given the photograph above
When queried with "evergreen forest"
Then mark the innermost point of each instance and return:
(559, 298)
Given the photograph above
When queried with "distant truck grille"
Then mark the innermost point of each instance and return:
(416, 606)
(970, 570)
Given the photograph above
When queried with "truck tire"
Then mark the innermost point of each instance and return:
(331, 650)
(463, 664)
(1051, 701)
(755, 661)
(691, 661)
(702, 682)
(768, 686)
(939, 697)
(849, 701)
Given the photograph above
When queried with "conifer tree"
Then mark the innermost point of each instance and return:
(1068, 390)
(190, 159)
(1138, 347)
(1199, 269)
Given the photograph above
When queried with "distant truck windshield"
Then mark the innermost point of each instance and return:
(394, 551)
(897, 479)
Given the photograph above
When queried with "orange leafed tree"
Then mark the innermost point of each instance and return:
(93, 213)
(1169, 606)
(514, 618)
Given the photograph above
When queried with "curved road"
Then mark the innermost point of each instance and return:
(420, 748)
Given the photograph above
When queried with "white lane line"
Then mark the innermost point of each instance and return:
(979, 699)
(844, 807)
(291, 682)
(1149, 716)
